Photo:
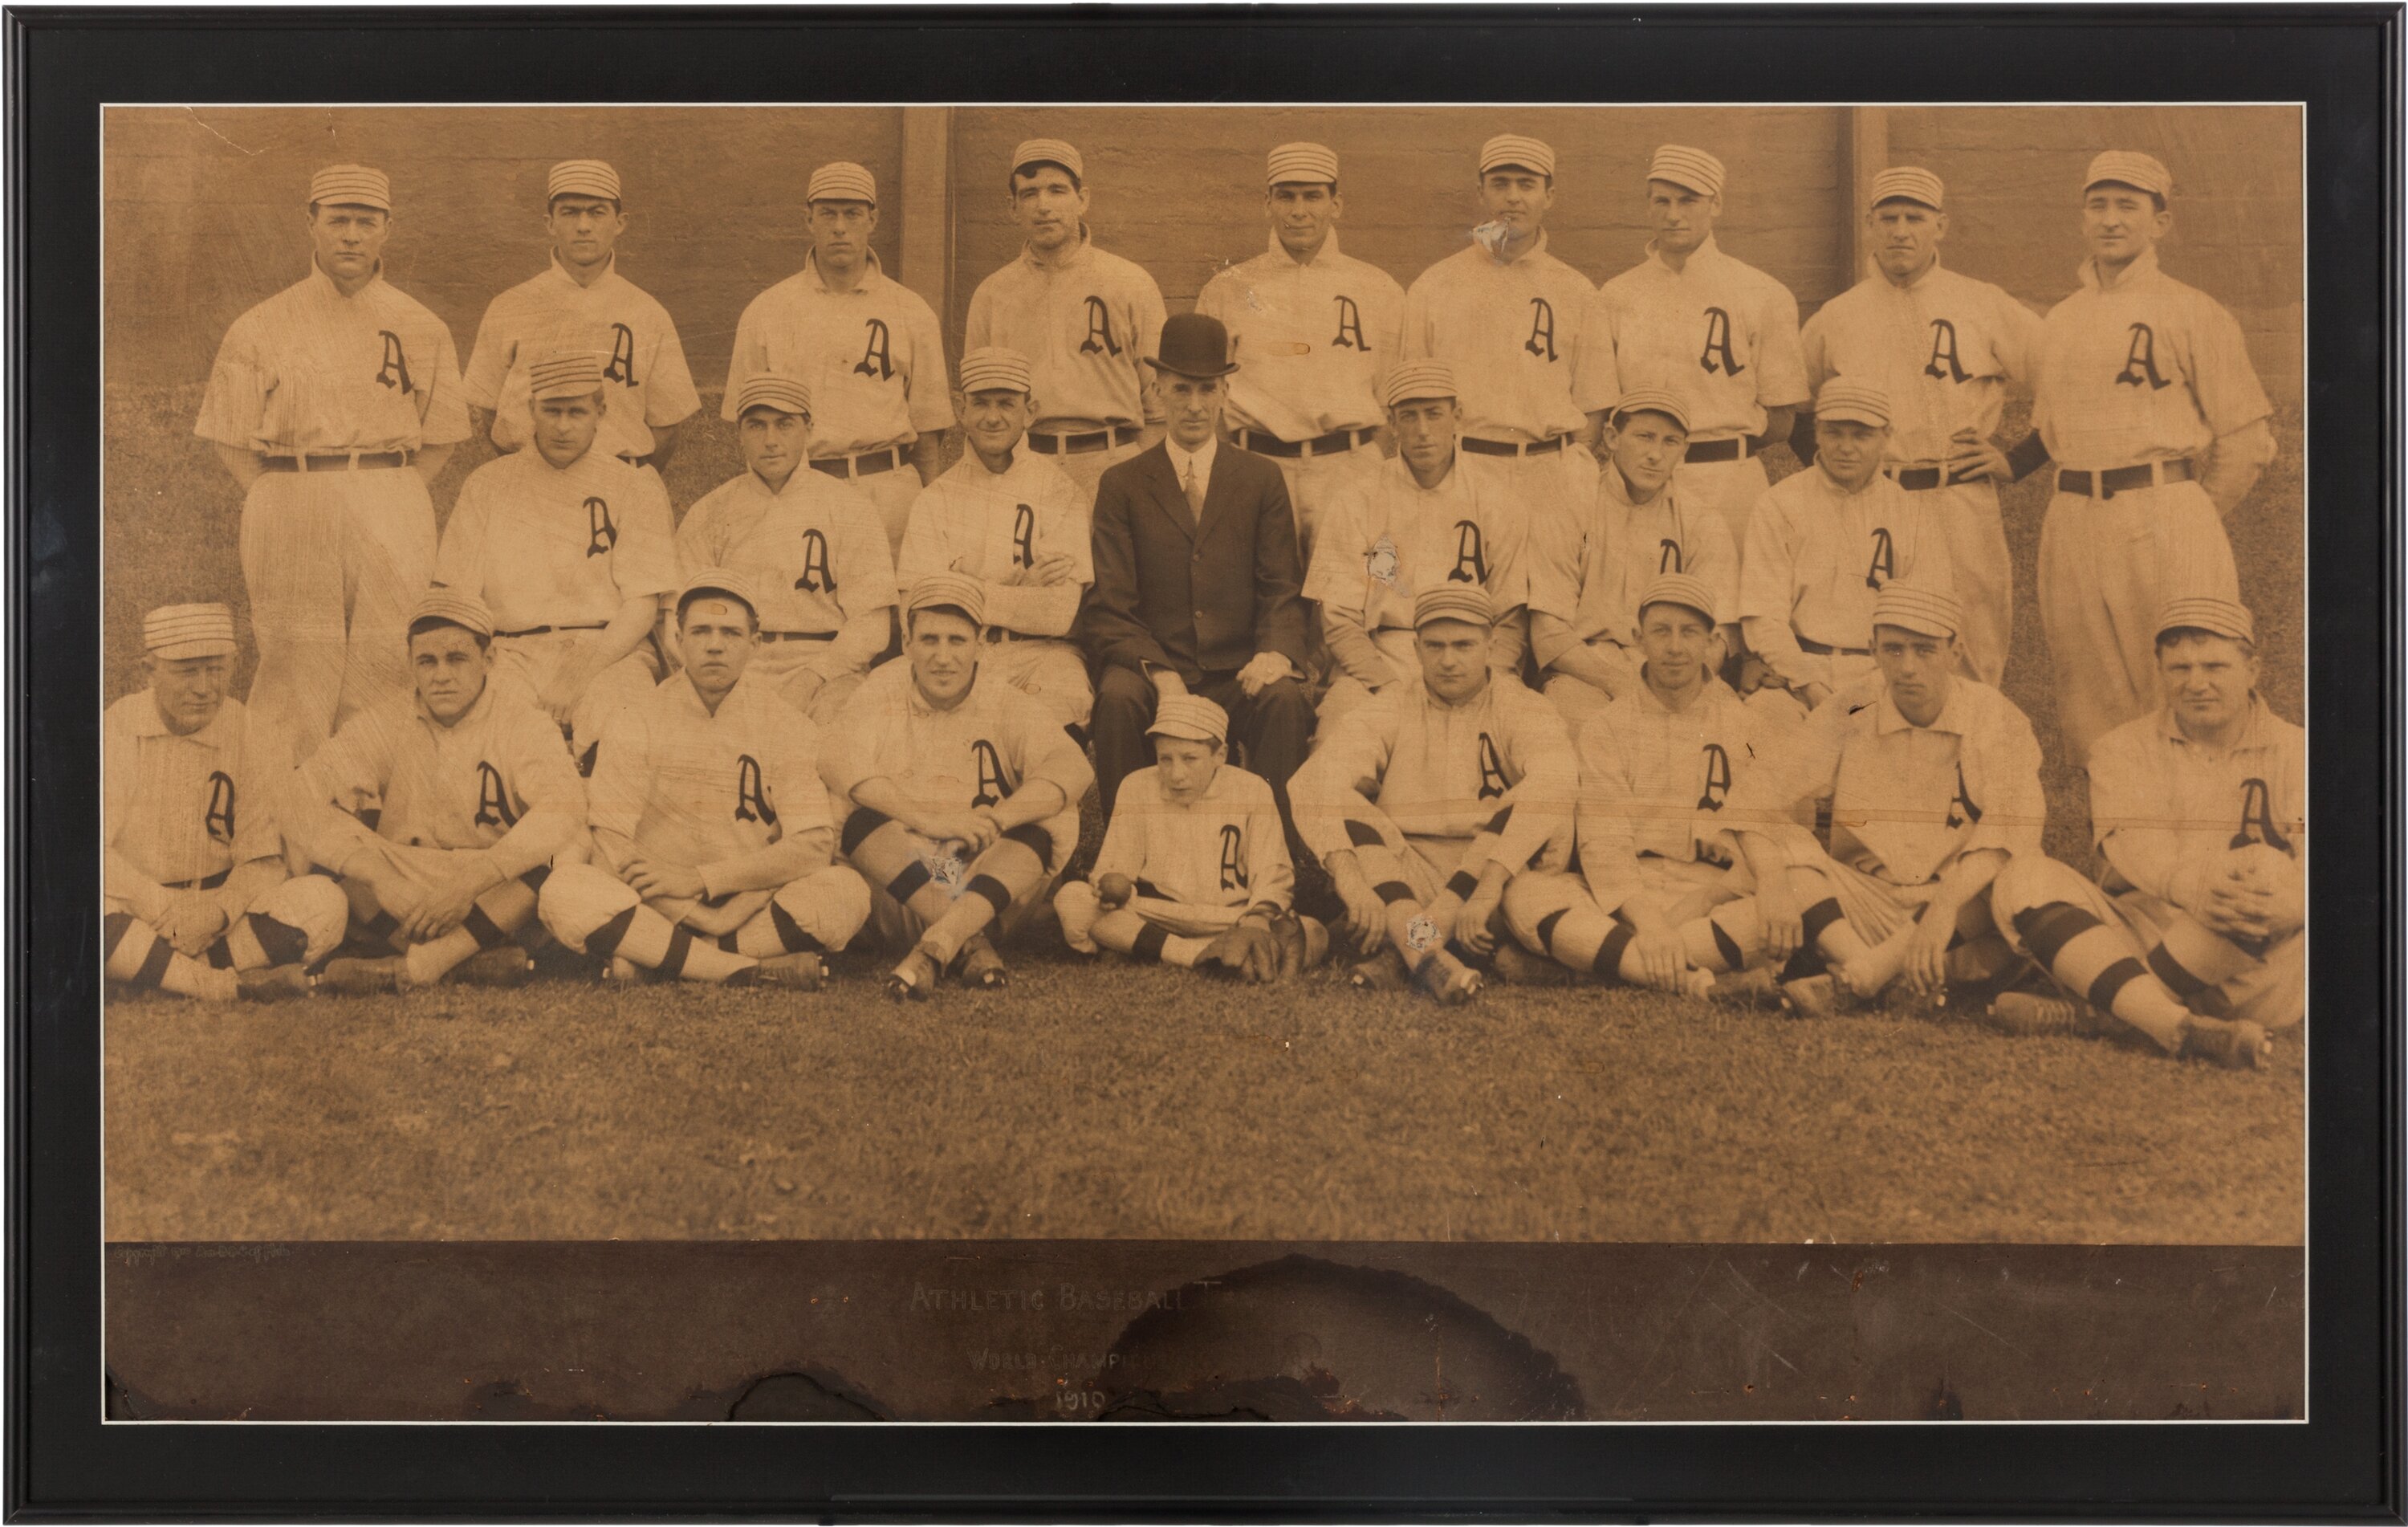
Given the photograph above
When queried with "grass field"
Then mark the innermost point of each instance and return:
(1136, 1103)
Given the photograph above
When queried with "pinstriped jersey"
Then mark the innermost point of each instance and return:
(180, 808)
(643, 366)
(689, 787)
(1589, 568)
(1086, 321)
(1521, 338)
(1817, 556)
(2165, 810)
(545, 545)
(2143, 370)
(1225, 848)
(1315, 337)
(872, 358)
(815, 549)
(1654, 781)
(1942, 349)
(311, 369)
(1718, 334)
(994, 525)
(1384, 538)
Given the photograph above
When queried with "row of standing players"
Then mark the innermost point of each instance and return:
(1807, 664)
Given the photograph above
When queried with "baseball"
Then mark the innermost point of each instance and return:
(1113, 891)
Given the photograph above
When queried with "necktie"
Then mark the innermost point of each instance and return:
(1195, 493)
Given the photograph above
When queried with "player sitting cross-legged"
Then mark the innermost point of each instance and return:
(478, 794)
(961, 793)
(710, 828)
(2195, 933)
(193, 895)
(1425, 800)
(1194, 868)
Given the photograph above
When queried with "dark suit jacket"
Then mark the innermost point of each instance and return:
(1190, 596)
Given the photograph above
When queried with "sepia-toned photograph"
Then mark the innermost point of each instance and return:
(1484, 680)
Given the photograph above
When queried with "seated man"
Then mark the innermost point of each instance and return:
(811, 546)
(1656, 766)
(568, 548)
(2196, 934)
(1934, 782)
(478, 795)
(1010, 519)
(1589, 568)
(1423, 803)
(1195, 868)
(961, 793)
(193, 892)
(1820, 548)
(1432, 516)
(711, 843)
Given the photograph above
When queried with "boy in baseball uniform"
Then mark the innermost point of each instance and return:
(1318, 329)
(1430, 516)
(583, 303)
(1194, 868)
(334, 403)
(1424, 801)
(2147, 403)
(568, 548)
(478, 794)
(193, 895)
(712, 851)
(959, 796)
(1587, 572)
(811, 546)
(2196, 932)
(1010, 519)
(865, 347)
(1087, 320)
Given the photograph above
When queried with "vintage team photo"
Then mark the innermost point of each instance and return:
(1288, 673)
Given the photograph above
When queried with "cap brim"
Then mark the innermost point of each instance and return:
(1919, 624)
(206, 646)
(1179, 729)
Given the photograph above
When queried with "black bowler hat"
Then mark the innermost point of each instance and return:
(1194, 345)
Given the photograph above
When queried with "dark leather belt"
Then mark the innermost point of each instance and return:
(338, 461)
(1732, 450)
(799, 636)
(997, 635)
(206, 882)
(644, 460)
(1924, 479)
(1821, 650)
(2115, 480)
(1094, 439)
(547, 630)
(1508, 448)
(868, 464)
(1320, 445)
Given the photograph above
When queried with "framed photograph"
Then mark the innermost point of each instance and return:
(1598, 724)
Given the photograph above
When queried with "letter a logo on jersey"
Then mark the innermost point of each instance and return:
(621, 369)
(1349, 337)
(1885, 563)
(751, 802)
(219, 814)
(1024, 535)
(600, 534)
(1492, 771)
(1961, 808)
(493, 801)
(2257, 818)
(395, 373)
(991, 786)
(1718, 355)
(1944, 348)
(1233, 866)
(876, 358)
(1542, 341)
(816, 578)
(1471, 561)
(1668, 559)
(1099, 340)
(2141, 361)
(1718, 780)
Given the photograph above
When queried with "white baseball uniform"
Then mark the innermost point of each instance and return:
(1816, 559)
(1198, 865)
(644, 374)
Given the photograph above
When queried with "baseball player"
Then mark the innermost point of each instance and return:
(2146, 402)
(1719, 334)
(1194, 868)
(1942, 347)
(1317, 329)
(193, 895)
(1430, 516)
(1823, 545)
(1010, 519)
(2196, 933)
(582, 303)
(1515, 324)
(865, 347)
(711, 842)
(1588, 572)
(1087, 320)
(1422, 803)
(813, 547)
(962, 798)
(1656, 858)
(478, 797)
(334, 403)
(1934, 782)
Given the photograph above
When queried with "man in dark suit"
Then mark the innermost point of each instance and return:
(1196, 579)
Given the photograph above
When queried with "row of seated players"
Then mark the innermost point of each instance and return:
(722, 838)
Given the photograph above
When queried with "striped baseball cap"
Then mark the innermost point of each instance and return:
(581, 177)
(1684, 589)
(725, 582)
(1695, 168)
(176, 631)
(843, 180)
(1418, 379)
(352, 186)
(1191, 717)
(995, 369)
(1048, 150)
(1905, 182)
(943, 590)
(1918, 607)
(2205, 612)
(1859, 402)
(564, 373)
(773, 390)
(1514, 151)
(445, 605)
(1454, 602)
(1303, 164)
(1652, 400)
(2128, 166)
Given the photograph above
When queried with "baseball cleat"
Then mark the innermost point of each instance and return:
(1303, 944)
(1695, 983)
(504, 965)
(273, 983)
(913, 978)
(622, 969)
(1517, 967)
(363, 977)
(1448, 979)
(2029, 1014)
(799, 972)
(1751, 987)
(2236, 1043)
(1383, 972)
(981, 966)
(1818, 997)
